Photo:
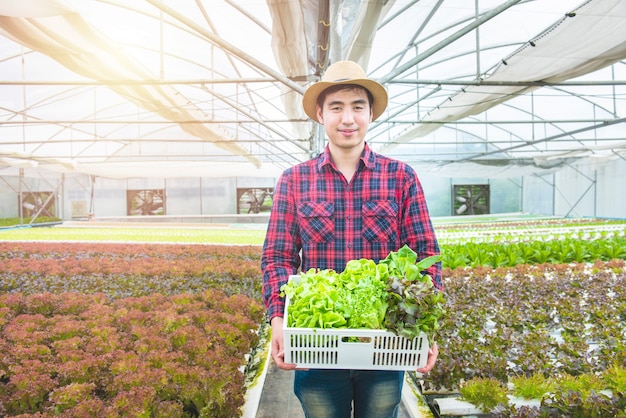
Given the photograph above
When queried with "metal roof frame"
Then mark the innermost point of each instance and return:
(250, 99)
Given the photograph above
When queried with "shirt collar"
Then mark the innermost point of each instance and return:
(368, 157)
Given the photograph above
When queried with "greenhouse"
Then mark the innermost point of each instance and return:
(191, 108)
(141, 146)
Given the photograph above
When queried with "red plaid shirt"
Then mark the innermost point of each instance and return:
(318, 220)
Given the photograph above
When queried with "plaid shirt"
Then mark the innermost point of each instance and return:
(318, 220)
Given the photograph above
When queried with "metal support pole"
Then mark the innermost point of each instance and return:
(20, 197)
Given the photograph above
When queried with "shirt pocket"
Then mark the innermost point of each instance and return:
(317, 223)
(380, 220)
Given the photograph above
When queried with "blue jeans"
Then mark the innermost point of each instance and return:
(331, 393)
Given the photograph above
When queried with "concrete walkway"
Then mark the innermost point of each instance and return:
(278, 400)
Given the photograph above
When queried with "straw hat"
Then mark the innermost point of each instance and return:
(345, 72)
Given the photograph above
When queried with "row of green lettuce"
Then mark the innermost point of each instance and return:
(510, 254)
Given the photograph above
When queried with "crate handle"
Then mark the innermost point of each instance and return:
(347, 339)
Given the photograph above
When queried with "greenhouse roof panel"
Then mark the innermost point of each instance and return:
(142, 88)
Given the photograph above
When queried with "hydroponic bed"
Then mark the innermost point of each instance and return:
(553, 306)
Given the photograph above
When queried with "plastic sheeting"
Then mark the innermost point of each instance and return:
(216, 91)
(74, 43)
(585, 40)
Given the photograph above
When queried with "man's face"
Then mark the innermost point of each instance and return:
(346, 115)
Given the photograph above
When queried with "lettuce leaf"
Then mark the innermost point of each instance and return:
(393, 294)
(414, 304)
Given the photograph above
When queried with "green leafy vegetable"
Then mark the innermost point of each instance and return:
(393, 294)
(414, 304)
(354, 298)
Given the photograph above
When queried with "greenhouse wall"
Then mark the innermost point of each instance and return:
(182, 196)
(218, 194)
(575, 192)
(72, 195)
(37, 191)
(582, 190)
(538, 194)
(505, 193)
(585, 190)
(8, 197)
(611, 190)
(109, 198)
(437, 192)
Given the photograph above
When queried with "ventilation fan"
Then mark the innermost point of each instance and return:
(471, 199)
(38, 204)
(255, 200)
(145, 202)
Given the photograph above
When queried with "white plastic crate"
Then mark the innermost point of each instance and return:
(317, 348)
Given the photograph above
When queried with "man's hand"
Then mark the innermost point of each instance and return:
(433, 353)
(278, 347)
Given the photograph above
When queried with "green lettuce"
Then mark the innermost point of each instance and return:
(393, 294)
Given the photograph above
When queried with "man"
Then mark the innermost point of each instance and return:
(347, 203)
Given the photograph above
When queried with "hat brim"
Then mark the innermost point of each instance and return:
(379, 93)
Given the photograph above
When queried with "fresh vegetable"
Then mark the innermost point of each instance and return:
(393, 294)
(354, 298)
(414, 304)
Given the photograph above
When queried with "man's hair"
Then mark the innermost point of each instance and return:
(339, 87)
